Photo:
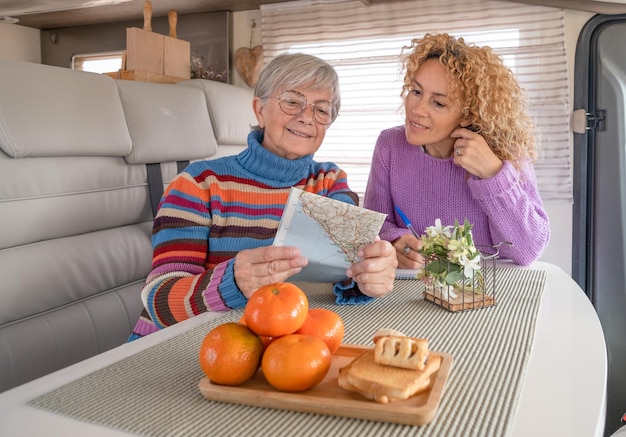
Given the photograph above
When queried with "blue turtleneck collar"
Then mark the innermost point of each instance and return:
(267, 165)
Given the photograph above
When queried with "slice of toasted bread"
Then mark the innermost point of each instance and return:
(382, 383)
(405, 352)
(381, 399)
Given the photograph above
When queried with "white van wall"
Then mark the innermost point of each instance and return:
(23, 43)
(559, 251)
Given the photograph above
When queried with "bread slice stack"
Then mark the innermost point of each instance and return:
(397, 368)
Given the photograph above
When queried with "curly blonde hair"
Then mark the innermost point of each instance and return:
(493, 101)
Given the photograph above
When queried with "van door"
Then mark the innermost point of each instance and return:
(599, 224)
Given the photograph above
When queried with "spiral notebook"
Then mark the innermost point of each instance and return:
(407, 273)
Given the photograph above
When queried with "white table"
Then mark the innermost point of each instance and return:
(564, 391)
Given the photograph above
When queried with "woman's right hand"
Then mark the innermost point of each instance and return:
(408, 258)
(266, 265)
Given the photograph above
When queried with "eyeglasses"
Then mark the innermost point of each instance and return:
(293, 103)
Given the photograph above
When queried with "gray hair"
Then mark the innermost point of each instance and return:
(297, 70)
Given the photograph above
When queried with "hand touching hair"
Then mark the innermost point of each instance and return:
(488, 92)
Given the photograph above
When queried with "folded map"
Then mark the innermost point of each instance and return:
(328, 232)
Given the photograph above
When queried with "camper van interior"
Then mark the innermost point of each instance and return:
(90, 136)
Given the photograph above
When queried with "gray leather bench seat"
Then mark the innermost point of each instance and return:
(75, 210)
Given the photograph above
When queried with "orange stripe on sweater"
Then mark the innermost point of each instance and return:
(188, 185)
(177, 297)
(180, 253)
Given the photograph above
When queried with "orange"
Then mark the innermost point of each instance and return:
(277, 309)
(296, 362)
(324, 324)
(266, 340)
(230, 354)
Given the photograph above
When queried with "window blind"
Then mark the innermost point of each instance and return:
(364, 42)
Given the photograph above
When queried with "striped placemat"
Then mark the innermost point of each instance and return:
(155, 392)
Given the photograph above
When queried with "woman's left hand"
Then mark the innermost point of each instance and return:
(377, 272)
(472, 152)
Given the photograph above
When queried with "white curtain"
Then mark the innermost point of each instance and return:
(364, 43)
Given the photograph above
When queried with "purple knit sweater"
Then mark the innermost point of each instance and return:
(506, 207)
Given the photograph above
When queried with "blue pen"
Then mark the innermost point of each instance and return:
(407, 222)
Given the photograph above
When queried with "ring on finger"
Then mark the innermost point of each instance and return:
(272, 268)
(406, 250)
(457, 151)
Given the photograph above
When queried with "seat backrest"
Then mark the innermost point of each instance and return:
(230, 109)
(75, 210)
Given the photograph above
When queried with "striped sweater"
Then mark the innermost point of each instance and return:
(211, 211)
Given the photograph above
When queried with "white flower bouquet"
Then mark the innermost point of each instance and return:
(451, 259)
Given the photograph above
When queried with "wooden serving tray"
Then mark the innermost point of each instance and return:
(330, 399)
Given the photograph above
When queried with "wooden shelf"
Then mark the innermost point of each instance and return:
(142, 76)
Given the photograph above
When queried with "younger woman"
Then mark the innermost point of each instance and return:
(465, 152)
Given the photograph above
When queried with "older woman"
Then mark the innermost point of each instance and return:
(465, 152)
(213, 234)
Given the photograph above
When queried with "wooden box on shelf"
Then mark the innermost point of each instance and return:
(144, 51)
(154, 57)
(176, 57)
